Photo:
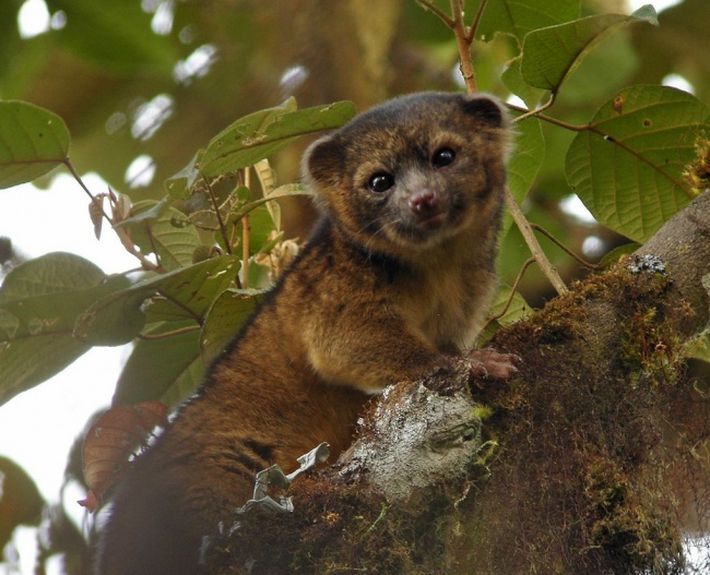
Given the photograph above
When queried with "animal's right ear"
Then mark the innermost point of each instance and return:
(322, 162)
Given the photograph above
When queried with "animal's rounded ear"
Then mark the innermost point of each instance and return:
(487, 109)
(322, 161)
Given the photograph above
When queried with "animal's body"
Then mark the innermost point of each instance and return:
(392, 286)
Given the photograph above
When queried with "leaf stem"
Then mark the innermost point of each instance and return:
(77, 177)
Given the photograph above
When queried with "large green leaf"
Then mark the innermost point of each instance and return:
(261, 134)
(40, 302)
(518, 17)
(528, 156)
(550, 54)
(190, 291)
(627, 167)
(32, 142)
(156, 366)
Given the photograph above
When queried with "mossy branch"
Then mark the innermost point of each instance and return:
(584, 473)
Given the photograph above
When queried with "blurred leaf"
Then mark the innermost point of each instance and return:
(261, 134)
(119, 38)
(528, 156)
(32, 142)
(119, 317)
(627, 168)
(226, 316)
(156, 364)
(179, 185)
(602, 71)
(513, 79)
(518, 17)
(550, 54)
(40, 302)
(20, 500)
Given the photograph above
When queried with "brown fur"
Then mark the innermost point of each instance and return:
(379, 294)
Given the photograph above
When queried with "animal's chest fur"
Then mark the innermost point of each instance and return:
(448, 308)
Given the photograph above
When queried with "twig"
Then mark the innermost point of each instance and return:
(537, 111)
(471, 35)
(222, 229)
(563, 247)
(513, 289)
(464, 45)
(437, 12)
(533, 245)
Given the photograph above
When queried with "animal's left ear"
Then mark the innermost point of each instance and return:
(486, 108)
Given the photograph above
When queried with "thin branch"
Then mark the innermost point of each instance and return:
(437, 12)
(245, 238)
(537, 111)
(471, 34)
(463, 45)
(222, 229)
(166, 334)
(533, 245)
(513, 289)
(563, 247)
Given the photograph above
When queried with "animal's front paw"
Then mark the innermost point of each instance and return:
(488, 362)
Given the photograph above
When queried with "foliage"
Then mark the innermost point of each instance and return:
(209, 240)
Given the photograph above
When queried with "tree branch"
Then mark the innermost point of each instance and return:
(568, 463)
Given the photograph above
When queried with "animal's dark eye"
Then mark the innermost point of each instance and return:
(442, 157)
(381, 182)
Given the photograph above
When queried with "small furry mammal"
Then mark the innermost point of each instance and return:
(392, 286)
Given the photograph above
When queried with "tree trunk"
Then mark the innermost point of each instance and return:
(587, 462)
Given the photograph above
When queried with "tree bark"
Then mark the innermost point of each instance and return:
(586, 462)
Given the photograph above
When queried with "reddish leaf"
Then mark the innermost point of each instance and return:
(112, 440)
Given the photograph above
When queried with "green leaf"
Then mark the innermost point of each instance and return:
(627, 167)
(518, 17)
(550, 54)
(40, 302)
(157, 365)
(179, 185)
(263, 133)
(510, 308)
(226, 316)
(21, 502)
(119, 317)
(33, 141)
(513, 79)
(528, 156)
